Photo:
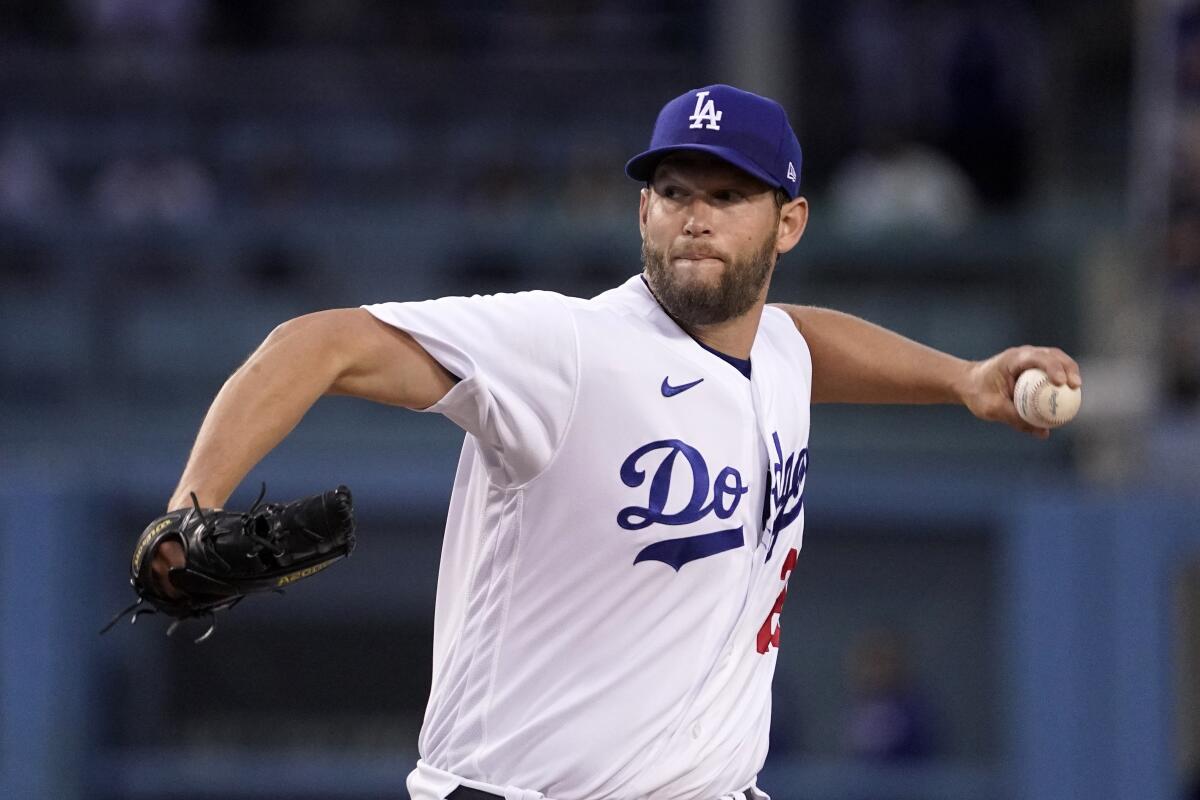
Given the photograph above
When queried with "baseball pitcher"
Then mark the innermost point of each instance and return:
(629, 500)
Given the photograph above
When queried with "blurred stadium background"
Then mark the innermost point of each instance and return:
(974, 615)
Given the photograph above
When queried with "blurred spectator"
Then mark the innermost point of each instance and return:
(1183, 353)
(279, 180)
(991, 96)
(35, 20)
(1189, 54)
(185, 192)
(592, 188)
(486, 269)
(266, 23)
(24, 264)
(901, 186)
(1182, 297)
(497, 190)
(944, 73)
(880, 48)
(29, 187)
(160, 21)
(1182, 307)
(122, 193)
(888, 719)
(276, 267)
(1185, 180)
(176, 191)
(141, 41)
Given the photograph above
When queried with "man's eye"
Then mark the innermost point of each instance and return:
(727, 196)
(670, 192)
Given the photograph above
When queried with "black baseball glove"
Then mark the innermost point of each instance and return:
(230, 554)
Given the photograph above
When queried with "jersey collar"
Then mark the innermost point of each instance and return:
(742, 365)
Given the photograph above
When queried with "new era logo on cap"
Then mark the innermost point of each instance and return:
(747, 130)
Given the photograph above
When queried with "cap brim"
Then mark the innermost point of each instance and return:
(641, 167)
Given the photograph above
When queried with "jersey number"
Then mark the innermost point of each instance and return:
(768, 634)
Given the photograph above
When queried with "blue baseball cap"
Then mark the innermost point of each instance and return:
(747, 130)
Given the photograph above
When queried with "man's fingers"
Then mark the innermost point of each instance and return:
(1058, 366)
(1013, 419)
(1006, 411)
(994, 380)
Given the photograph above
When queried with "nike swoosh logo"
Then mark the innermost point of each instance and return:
(670, 391)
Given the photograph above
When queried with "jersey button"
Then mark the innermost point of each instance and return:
(697, 729)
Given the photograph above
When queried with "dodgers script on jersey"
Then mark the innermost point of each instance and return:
(626, 513)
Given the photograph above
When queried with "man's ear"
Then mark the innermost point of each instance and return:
(793, 219)
(643, 205)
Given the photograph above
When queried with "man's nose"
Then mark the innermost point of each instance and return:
(699, 218)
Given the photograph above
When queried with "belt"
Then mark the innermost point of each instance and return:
(465, 793)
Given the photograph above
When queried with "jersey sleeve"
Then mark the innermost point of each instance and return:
(517, 359)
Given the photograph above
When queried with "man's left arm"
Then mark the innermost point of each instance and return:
(855, 361)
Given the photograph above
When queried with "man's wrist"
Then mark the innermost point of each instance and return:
(178, 501)
(206, 498)
(960, 383)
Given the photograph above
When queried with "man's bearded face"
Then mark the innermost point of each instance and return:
(695, 301)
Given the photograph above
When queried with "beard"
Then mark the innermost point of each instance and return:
(699, 302)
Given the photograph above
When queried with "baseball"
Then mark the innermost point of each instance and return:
(1041, 403)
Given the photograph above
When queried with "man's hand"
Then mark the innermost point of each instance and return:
(987, 386)
(168, 554)
(193, 562)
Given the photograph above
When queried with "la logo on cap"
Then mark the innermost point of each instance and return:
(791, 172)
(705, 112)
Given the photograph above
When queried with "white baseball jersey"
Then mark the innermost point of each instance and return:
(627, 509)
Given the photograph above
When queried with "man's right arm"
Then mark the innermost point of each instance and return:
(341, 351)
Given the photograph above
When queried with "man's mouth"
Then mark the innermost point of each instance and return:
(696, 255)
